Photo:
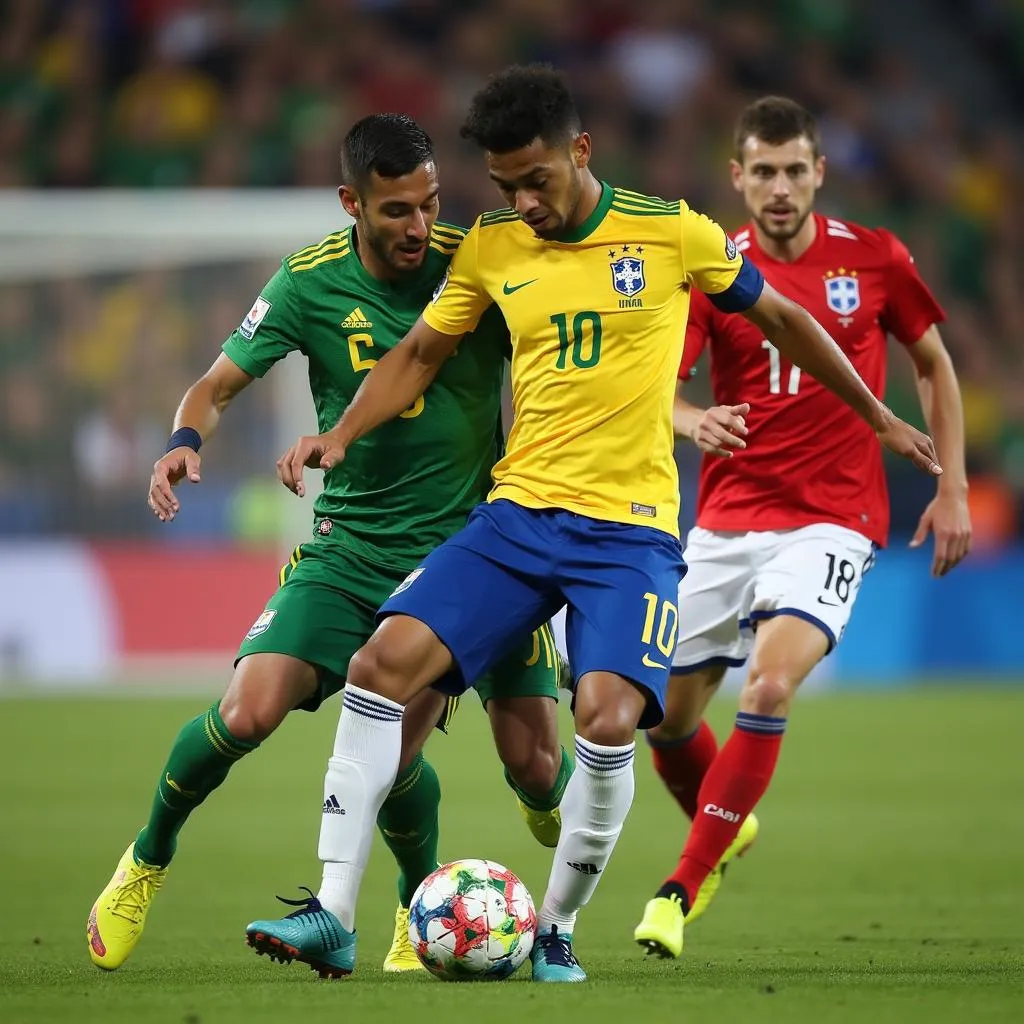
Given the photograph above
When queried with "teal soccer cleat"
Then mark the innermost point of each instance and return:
(311, 935)
(553, 959)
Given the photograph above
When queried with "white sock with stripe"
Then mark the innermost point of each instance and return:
(360, 774)
(594, 807)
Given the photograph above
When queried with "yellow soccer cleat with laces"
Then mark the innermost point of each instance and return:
(401, 956)
(119, 914)
(546, 826)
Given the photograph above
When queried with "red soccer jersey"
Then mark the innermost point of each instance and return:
(810, 458)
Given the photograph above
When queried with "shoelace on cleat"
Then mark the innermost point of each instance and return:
(556, 949)
(401, 946)
(311, 905)
(130, 899)
(402, 941)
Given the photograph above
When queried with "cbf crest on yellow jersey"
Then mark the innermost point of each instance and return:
(597, 320)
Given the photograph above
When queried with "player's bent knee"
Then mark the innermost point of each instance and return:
(608, 709)
(608, 730)
(767, 693)
(366, 671)
(384, 671)
(402, 658)
(250, 721)
(263, 690)
(533, 769)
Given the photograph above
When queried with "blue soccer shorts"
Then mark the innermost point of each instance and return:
(511, 568)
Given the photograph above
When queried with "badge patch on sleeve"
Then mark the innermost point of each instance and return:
(262, 624)
(440, 287)
(407, 582)
(730, 249)
(260, 308)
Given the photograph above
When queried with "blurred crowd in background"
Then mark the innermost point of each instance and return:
(919, 103)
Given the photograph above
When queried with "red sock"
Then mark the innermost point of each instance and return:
(732, 788)
(683, 764)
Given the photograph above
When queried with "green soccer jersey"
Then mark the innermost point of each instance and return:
(411, 483)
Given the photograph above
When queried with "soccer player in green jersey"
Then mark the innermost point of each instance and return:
(342, 302)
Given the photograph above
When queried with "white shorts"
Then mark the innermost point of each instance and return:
(736, 579)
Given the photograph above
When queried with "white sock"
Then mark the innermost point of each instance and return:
(360, 774)
(594, 807)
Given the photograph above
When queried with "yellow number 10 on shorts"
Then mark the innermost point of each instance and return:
(668, 624)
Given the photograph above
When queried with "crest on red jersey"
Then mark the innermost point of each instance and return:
(842, 291)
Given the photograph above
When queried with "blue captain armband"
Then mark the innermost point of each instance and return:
(744, 291)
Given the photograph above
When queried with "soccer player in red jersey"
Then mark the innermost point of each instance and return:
(792, 502)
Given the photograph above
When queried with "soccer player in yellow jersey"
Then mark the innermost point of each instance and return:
(594, 283)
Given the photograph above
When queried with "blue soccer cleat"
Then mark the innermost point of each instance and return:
(553, 959)
(311, 935)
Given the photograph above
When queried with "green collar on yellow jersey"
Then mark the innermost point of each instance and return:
(591, 224)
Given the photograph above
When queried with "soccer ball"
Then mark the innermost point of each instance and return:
(472, 920)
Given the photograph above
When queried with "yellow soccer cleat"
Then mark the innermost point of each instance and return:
(661, 930)
(401, 956)
(546, 826)
(706, 893)
(119, 914)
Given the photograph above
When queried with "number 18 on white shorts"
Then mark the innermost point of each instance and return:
(736, 579)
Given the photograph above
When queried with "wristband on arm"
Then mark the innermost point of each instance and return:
(186, 437)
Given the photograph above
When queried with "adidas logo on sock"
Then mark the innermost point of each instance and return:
(584, 869)
(356, 321)
(331, 806)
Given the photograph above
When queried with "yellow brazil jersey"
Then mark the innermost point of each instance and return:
(597, 320)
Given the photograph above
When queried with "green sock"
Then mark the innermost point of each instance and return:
(553, 797)
(408, 823)
(199, 762)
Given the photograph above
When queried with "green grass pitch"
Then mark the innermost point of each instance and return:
(886, 886)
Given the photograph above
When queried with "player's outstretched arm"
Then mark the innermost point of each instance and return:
(395, 382)
(947, 515)
(716, 430)
(799, 337)
(196, 419)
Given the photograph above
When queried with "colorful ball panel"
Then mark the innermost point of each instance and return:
(472, 920)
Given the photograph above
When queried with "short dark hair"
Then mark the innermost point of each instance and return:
(775, 120)
(518, 105)
(390, 144)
